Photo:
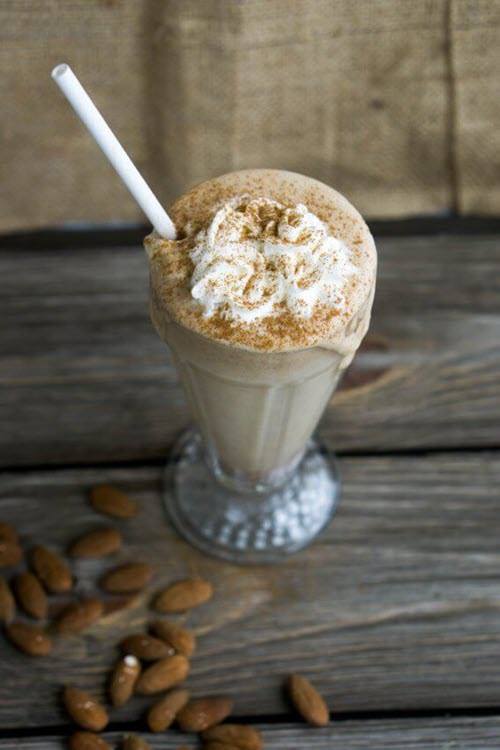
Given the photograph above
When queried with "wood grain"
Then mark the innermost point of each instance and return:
(397, 606)
(441, 733)
(84, 377)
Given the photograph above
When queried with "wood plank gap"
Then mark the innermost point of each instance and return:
(159, 462)
(64, 730)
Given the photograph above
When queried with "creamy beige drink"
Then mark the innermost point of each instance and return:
(263, 301)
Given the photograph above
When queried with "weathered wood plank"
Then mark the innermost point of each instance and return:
(84, 378)
(441, 733)
(397, 606)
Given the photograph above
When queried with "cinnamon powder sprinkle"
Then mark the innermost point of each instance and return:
(171, 267)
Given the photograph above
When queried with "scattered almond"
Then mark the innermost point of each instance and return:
(183, 595)
(146, 647)
(87, 741)
(7, 603)
(112, 502)
(127, 578)
(182, 640)
(52, 570)
(79, 616)
(85, 710)
(11, 553)
(163, 675)
(8, 533)
(30, 639)
(237, 736)
(203, 713)
(134, 742)
(119, 602)
(307, 700)
(123, 679)
(31, 596)
(98, 543)
(162, 713)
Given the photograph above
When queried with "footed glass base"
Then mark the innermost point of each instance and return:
(245, 526)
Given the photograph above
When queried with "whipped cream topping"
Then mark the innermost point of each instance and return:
(258, 257)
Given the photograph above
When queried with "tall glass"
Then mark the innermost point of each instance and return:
(248, 483)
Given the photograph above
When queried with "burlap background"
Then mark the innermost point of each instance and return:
(395, 102)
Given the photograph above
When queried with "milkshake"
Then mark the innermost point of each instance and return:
(263, 301)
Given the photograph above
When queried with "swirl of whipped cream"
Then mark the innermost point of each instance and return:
(258, 257)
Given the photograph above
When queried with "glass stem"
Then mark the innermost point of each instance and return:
(242, 482)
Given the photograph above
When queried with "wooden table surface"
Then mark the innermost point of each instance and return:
(394, 612)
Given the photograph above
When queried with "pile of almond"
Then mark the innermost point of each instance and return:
(153, 663)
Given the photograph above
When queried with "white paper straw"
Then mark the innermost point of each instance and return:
(99, 129)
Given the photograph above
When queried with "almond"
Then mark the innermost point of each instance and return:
(127, 578)
(87, 741)
(183, 595)
(203, 713)
(29, 638)
(7, 603)
(31, 596)
(52, 570)
(163, 674)
(11, 553)
(307, 700)
(98, 543)
(120, 602)
(8, 532)
(182, 640)
(238, 736)
(162, 713)
(85, 710)
(123, 679)
(214, 745)
(79, 616)
(112, 502)
(134, 742)
(146, 647)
